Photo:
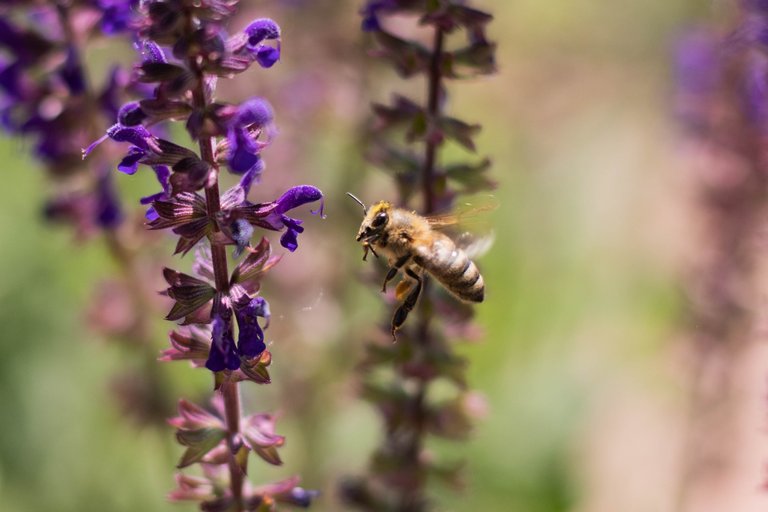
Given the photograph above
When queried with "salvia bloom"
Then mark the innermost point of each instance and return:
(722, 101)
(400, 467)
(50, 99)
(183, 51)
(45, 97)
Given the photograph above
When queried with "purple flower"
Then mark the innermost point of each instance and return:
(13, 81)
(108, 213)
(698, 70)
(298, 196)
(300, 497)
(250, 342)
(245, 126)
(71, 73)
(88, 209)
(117, 15)
(151, 52)
(131, 114)
(163, 174)
(291, 199)
(130, 162)
(258, 33)
(697, 62)
(136, 135)
(223, 355)
(27, 45)
(272, 215)
(371, 12)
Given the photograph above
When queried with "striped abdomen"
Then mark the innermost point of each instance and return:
(451, 267)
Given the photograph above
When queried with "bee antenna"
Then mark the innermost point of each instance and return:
(353, 196)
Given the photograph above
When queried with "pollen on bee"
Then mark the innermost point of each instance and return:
(402, 289)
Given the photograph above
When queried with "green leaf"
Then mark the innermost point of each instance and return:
(198, 442)
(408, 57)
(472, 177)
(459, 131)
(258, 372)
(269, 454)
(241, 459)
(479, 58)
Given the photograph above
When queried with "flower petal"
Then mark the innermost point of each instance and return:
(296, 197)
(260, 30)
(130, 162)
(223, 355)
(250, 341)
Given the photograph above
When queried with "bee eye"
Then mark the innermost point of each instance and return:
(379, 220)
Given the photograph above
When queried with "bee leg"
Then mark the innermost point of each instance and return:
(393, 271)
(410, 301)
(368, 247)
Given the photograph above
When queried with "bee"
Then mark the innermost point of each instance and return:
(413, 245)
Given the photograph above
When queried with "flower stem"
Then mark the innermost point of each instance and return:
(434, 83)
(229, 390)
(213, 203)
(412, 496)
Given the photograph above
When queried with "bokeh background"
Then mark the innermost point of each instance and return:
(585, 363)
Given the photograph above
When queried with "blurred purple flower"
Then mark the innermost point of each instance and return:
(108, 212)
(72, 73)
(756, 90)
(756, 6)
(697, 62)
(117, 15)
(370, 13)
(698, 75)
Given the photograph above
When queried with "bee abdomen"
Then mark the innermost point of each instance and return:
(469, 286)
(457, 273)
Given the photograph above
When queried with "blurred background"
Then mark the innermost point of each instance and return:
(586, 362)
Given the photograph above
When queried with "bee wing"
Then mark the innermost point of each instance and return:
(464, 214)
(468, 226)
(475, 245)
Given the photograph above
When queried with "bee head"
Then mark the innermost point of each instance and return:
(374, 223)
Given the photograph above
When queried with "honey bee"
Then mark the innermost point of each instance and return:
(413, 245)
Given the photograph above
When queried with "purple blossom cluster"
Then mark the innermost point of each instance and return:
(722, 102)
(234, 135)
(45, 97)
(184, 50)
(56, 101)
